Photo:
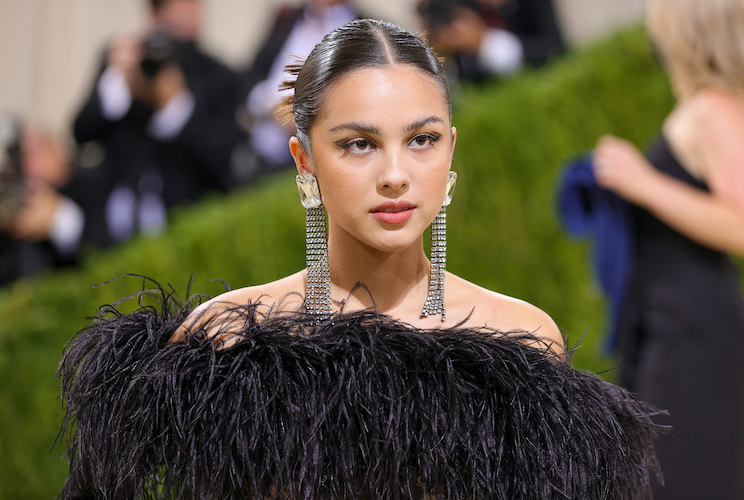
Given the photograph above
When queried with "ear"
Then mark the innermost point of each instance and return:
(301, 158)
(454, 140)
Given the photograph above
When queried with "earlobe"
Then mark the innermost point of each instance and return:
(299, 155)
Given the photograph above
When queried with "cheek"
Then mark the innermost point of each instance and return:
(338, 172)
(436, 193)
(340, 186)
(433, 179)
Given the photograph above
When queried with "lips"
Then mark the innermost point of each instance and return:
(394, 212)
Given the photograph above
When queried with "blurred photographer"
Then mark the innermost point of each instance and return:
(492, 37)
(39, 226)
(296, 29)
(162, 111)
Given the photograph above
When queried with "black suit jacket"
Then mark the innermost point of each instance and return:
(535, 24)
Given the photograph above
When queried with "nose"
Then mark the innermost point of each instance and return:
(393, 174)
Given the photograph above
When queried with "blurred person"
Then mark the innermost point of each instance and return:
(682, 325)
(492, 37)
(163, 113)
(40, 227)
(295, 31)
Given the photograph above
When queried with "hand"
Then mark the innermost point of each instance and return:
(34, 221)
(620, 167)
(164, 86)
(125, 55)
(463, 33)
(45, 158)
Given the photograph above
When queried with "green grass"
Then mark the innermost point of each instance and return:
(513, 139)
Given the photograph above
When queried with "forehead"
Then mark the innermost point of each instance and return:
(384, 93)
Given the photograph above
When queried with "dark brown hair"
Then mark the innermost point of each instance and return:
(358, 44)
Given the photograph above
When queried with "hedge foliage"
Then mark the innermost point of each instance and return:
(513, 138)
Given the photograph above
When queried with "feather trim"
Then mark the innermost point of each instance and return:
(361, 406)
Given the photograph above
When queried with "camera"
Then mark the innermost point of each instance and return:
(159, 50)
(12, 186)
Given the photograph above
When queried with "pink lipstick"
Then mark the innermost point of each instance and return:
(394, 212)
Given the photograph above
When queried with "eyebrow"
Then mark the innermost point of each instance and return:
(357, 127)
(372, 129)
(422, 122)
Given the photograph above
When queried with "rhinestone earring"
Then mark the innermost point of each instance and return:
(435, 299)
(318, 283)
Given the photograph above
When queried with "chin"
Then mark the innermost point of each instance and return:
(378, 238)
(395, 241)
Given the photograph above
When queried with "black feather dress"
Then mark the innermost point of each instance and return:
(360, 406)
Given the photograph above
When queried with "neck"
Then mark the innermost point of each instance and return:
(396, 280)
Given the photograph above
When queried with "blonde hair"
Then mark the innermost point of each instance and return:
(701, 42)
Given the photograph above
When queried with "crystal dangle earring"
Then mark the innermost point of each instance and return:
(435, 298)
(318, 284)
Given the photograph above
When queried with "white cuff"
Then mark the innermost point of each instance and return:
(67, 227)
(270, 140)
(168, 122)
(114, 94)
(500, 52)
(263, 97)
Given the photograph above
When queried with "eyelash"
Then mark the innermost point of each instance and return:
(431, 137)
(347, 145)
(367, 142)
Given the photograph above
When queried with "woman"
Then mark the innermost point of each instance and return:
(684, 319)
(361, 376)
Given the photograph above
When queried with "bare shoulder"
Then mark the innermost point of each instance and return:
(282, 293)
(720, 119)
(270, 298)
(714, 101)
(502, 312)
(716, 111)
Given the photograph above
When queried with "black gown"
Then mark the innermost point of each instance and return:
(359, 406)
(683, 340)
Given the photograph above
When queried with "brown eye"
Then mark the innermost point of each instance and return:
(423, 141)
(359, 146)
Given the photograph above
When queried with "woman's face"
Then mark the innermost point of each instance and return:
(381, 150)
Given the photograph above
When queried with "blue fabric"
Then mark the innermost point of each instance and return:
(588, 210)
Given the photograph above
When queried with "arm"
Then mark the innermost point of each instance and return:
(203, 131)
(115, 86)
(498, 51)
(90, 122)
(47, 215)
(207, 141)
(714, 219)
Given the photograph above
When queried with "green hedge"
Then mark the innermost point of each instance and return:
(513, 139)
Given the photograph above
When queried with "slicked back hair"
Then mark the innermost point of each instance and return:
(358, 44)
